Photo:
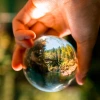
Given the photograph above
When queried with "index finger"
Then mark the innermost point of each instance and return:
(20, 27)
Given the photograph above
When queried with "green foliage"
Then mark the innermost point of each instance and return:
(63, 57)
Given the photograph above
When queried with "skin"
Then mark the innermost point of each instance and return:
(79, 18)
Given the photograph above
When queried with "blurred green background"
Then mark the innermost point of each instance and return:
(14, 86)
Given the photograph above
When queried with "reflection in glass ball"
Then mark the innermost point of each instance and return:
(50, 64)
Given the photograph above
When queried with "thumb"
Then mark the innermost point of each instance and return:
(17, 59)
(84, 53)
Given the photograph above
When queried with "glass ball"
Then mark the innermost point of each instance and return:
(50, 64)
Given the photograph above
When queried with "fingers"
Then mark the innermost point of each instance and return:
(84, 53)
(39, 28)
(23, 35)
(26, 43)
(55, 22)
(17, 59)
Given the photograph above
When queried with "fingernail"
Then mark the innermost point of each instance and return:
(28, 37)
(31, 36)
(17, 67)
(80, 79)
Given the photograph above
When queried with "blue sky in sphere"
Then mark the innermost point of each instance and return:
(53, 42)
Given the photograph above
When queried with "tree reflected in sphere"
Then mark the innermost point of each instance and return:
(50, 64)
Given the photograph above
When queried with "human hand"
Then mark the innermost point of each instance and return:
(78, 18)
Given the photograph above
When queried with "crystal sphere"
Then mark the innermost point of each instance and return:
(50, 64)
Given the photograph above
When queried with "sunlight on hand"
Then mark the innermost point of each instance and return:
(40, 10)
